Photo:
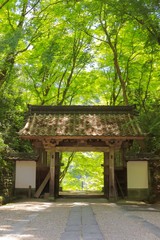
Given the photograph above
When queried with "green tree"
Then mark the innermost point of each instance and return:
(84, 172)
(12, 23)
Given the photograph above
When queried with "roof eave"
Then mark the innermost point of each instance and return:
(40, 137)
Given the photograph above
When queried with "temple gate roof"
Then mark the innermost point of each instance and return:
(82, 121)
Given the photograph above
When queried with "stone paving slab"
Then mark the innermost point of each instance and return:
(71, 236)
(82, 224)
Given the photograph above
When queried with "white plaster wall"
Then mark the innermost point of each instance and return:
(137, 174)
(25, 174)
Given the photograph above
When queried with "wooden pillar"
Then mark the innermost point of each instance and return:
(106, 174)
(57, 173)
(112, 188)
(52, 174)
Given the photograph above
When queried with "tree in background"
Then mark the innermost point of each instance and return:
(84, 173)
(63, 50)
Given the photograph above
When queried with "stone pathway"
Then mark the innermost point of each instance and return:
(82, 224)
(79, 219)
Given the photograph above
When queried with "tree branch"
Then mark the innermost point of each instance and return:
(4, 3)
(70, 159)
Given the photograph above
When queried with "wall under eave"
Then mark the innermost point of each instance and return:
(137, 180)
(25, 175)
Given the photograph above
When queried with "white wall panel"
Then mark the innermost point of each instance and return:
(25, 174)
(137, 174)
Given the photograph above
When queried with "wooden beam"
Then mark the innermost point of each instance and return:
(42, 186)
(48, 143)
(40, 138)
(106, 174)
(81, 149)
(112, 187)
(52, 173)
(57, 173)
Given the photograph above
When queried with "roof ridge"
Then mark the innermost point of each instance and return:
(81, 109)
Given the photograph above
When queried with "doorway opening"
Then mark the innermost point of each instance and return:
(82, 173)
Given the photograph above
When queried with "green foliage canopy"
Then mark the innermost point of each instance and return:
(85, 172)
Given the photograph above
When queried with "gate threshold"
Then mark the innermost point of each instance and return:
(81, 194)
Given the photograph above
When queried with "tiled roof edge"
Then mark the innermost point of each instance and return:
(82, 109)
(19, 156)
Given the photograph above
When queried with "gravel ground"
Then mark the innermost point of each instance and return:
(128, 222)
(39, 220)
(33, 220)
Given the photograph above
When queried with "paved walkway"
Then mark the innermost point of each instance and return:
(83, 219)
(82, 224)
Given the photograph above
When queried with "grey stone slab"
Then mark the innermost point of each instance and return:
(75, 216)
(73, 228)
(82, 224)
(92, 229)
(152, 228)
(89, 221)
(87, 211)
(93, 237)
(74, 222)
(74, 219)
(70, 236)
(76, 209)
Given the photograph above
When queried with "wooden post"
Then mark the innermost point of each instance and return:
(57, 173)
(29, 191)
(112, 189)
(52, 174)
(106, 174)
